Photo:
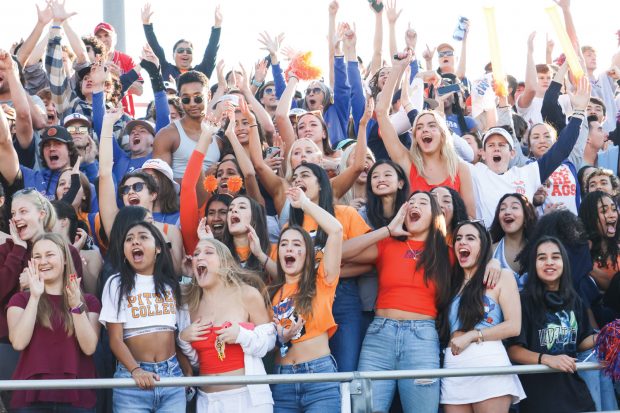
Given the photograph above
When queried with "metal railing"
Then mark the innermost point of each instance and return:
(354, 386)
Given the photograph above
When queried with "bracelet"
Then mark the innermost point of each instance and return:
(480, 336)
(134, 369)
(56, 27)
(389, 232)
(256, 83)
(540, 358)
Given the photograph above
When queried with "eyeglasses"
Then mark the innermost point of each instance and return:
(269, 91)
(184, 50)
(77, 129)
(315, 90)
(198, 99)
(445, 53)
(137, 187)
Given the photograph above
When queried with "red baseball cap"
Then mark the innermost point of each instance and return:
(104, 26)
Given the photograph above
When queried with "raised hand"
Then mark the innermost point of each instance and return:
(37, 287)
(204, 231)
(149, 55)
(74, 296)
(245, 111)
(15, 235)
(98, 74)
(113, 114)
(260, 70)
(349, 37)
(6, 62)
(428, 53)
(411, 38)
(147, 13)
(550, 44)
(271, 45)
(80, 239)
(254, 241)
(390, 11)
(59, 12)
(333, 7)
(530, 42)
(368, 110)
(44, 15)
(396, 227)
(296, 197)
(218, 16)
(582, 96)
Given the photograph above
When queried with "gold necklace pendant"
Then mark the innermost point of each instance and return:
(220, 347)
(414, 254)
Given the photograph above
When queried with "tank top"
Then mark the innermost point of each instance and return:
(208, 358)
(492, 314)
(498, 254)
(418, 183)
(180, 157)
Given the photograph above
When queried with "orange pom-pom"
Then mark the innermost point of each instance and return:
(210, 183)
(235, 183)
(302, 67)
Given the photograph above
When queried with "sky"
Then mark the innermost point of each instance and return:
(305, 26)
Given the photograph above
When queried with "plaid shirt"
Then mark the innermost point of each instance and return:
(63, 95)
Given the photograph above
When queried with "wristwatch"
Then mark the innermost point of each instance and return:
(79, 309)
(256, 83)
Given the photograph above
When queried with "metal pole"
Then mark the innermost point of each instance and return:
(114, 13)
(284, 378)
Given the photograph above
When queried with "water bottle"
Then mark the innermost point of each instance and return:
(459, 32)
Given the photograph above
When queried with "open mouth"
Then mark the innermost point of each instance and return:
(202, 269)
(134, 201)
(217, 227)
(137, 255)
(234, 220)
(289, 261)
(414, 216)
(302, 187)
(21, 228)
(312, 102)
(136, 141)
(497, 159)
(54, 158)
(464, 254)
(611, 228)
(508, 220)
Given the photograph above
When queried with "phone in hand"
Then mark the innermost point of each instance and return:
(444, 90)
(375, 5)
(272, 152)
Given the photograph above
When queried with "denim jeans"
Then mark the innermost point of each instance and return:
(346, 343)
(402, 345)
(159, 399)
(52, 407)
(601, 387)
(320, 397)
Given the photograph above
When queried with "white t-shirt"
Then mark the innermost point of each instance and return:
(563, 188)
(532, 114)
(489, 187)
(142, 308)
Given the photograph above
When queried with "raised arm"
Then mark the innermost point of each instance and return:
(377, 44)
(531, 81)
(568, 22)
(208, 60)
(331, 39)
(261, 114)
(332, 254)
(9, 162)
(392, 16)
(357, 101)
(76, 43)
(107, 193)
(149, 32)
(551, 110)
(283, 123)
(44, 16)
(460, 70)
(23, 121)
(396, 150)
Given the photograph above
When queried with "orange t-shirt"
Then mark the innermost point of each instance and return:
(401, 283)
(353, 225)
(320, 320)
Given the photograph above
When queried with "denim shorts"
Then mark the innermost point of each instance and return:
(307, 397)
(159, 399)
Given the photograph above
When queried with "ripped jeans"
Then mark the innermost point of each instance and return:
(402, 345)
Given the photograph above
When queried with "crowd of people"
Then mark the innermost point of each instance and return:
(392, 216)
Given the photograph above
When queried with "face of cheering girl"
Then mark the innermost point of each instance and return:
(511, 215)
(305, 179)
(141, 250)
(419, 215)
(27, 217)
(205, 264)
(427, 134)
(292, 252)
(467, 246)
(607, 217)
(239, 216)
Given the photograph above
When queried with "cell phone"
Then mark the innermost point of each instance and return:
(377, 6)
(272, 152)
(444, 90)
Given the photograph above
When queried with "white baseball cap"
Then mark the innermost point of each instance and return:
(163, 167)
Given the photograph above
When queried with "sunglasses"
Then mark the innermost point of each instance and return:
(184, 50)
(137, 187)
(269, 91)
(315, 90)
(472, 221)
(445, 53)
(77, 129)
(197, 99)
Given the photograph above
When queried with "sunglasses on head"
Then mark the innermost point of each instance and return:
(472, 221)
(137, 187)
(445, 53)
(197, 99)
(184, 50)
(269, 91)
(316, 113)
(315, 90)
(77, 129)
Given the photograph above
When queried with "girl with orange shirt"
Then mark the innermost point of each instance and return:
(413, 263)
(302, 295)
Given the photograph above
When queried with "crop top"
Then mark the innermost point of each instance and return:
(208, 358)
(401, 283)
(142, 311)
(321, 319)
(492, 314)
(418, 183)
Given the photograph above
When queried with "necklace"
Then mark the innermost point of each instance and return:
(414, 254)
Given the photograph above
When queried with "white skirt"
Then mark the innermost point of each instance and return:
(229, 401)
(474, 389)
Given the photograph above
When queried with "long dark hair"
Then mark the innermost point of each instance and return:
(149, 181)
(529, 218)
(561, 224)
(459, 212)
(534, 289)
(326, 201)
(307, 282)
(471, 307)
(167, 197)
(163, 273)
(603, 249)
(258, 221)
(374, 205)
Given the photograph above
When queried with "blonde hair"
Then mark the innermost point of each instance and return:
(348, 196)
(289, 168)
(45, 309)
(447, 152)
(230, 272)
(42, 204)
